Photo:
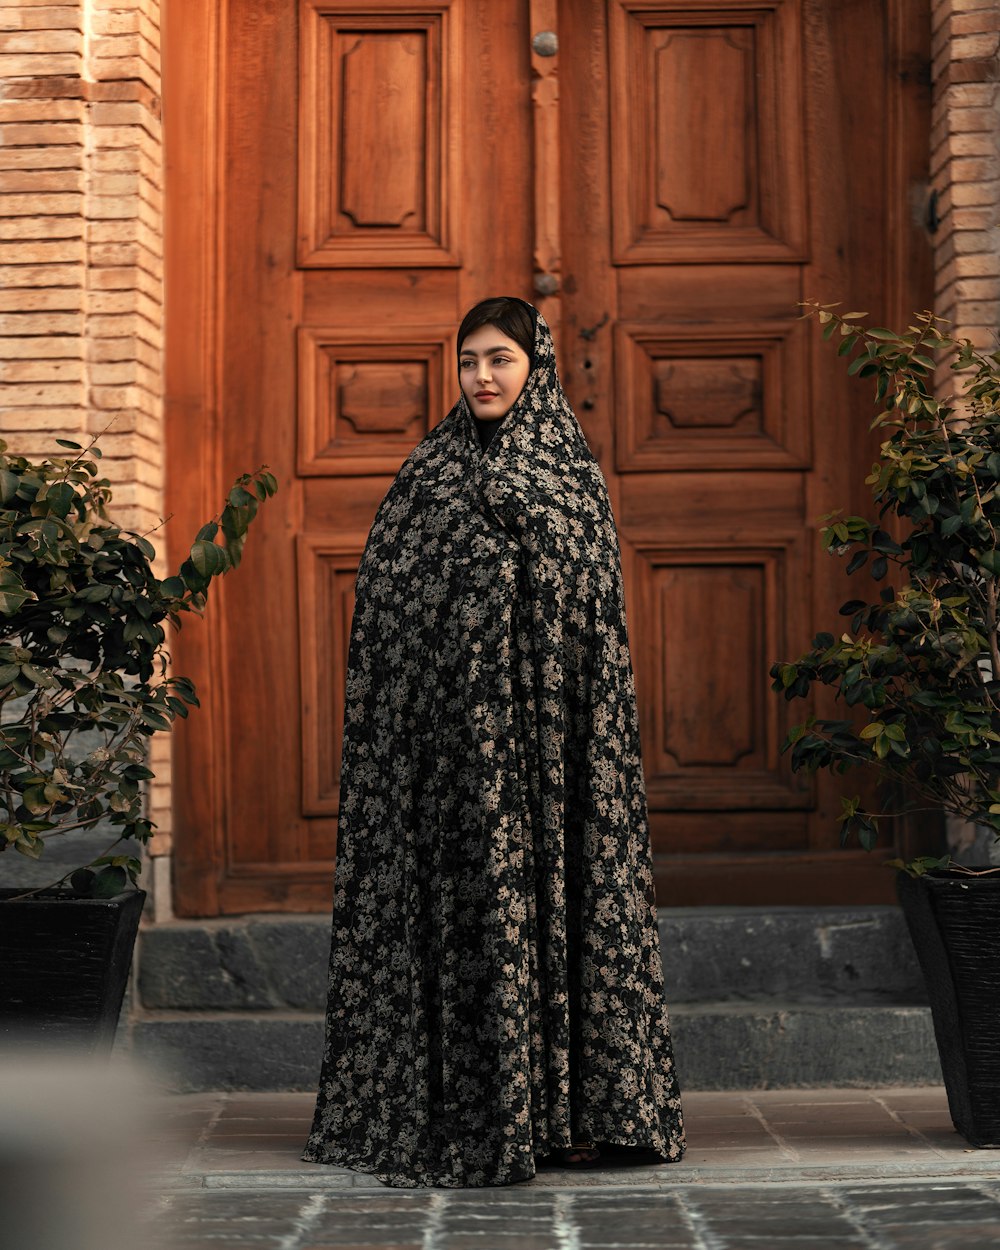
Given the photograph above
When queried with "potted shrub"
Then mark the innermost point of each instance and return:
(84, 683)
(918, 669)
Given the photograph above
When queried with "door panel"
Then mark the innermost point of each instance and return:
(727, 429)
(691, 81)
(673, 180)
(379, 132)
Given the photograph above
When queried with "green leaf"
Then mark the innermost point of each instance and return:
(138, 772)
(950, 525)
(96, 593)
(109, 882)
(867, 835)
(990, 561)
(154, 719)
(82, 882)
(207, 558)
(13, 598)
(173, 587)
(240, 498)
(60, 498)
(38, 676)
(65, 442)
(9, 483)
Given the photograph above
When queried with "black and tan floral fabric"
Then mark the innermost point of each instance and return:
(495, 985)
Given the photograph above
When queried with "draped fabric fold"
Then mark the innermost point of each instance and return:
(495, 984)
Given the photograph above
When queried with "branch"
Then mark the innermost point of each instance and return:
(991, 626)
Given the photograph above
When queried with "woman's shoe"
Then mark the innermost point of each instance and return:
(580, 1155)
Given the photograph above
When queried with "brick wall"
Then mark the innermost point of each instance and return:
(81, 283)
(965, 165)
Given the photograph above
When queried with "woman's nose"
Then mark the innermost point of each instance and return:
(483, 372)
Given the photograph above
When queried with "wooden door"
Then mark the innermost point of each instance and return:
(348, 178)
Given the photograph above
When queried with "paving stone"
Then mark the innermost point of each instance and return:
(963, 1236)
(666, 1241)
(234, 1126)
(492, 1241)
(204, 1158)
(337, 1179)
(418, 1244)
(691, 1217)
(391, 1203)
(284, 1104)
(518, 1197)
(923, 1203)
(273, 1144)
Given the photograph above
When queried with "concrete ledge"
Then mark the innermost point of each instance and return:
(860, 956)
(718, 1047)
(669, 1176)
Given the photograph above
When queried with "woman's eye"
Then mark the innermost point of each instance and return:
(502, 360)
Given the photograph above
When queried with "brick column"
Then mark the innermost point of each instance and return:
(81, 272)
(965, 165)
(965, 177)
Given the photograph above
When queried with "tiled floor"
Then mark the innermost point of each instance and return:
(903, 1216)
(765, 1170)
(218, 1140)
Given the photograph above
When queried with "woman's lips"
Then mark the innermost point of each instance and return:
(486, 394)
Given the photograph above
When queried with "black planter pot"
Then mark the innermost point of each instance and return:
(954, 921)
(64, 964)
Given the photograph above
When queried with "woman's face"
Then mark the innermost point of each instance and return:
(492, 370)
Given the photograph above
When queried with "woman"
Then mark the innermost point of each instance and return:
(495, 989)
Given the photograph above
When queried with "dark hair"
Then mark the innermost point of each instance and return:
(511, 316)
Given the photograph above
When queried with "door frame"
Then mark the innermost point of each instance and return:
(193, 209)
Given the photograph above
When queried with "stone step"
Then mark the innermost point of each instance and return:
(858, 956)
(777, 997)
(718, 1046)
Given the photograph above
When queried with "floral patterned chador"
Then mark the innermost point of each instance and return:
(495, 984)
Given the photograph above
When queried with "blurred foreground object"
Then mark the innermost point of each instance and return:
(73, 1149)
